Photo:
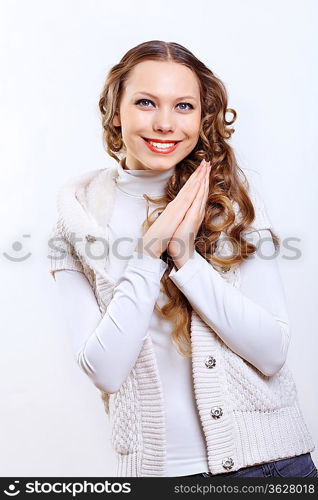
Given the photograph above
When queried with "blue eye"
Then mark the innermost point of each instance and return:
(148, 100)
(143, 100)
(187, 103)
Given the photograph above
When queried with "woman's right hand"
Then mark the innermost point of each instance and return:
(156, 239)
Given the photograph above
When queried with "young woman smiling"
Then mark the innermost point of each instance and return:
(182, 324)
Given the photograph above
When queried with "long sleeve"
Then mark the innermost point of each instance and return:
(252, 320)
(106, 348)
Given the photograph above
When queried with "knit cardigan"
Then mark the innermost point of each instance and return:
(261, 419)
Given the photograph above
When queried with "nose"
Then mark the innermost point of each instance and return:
(163, 122)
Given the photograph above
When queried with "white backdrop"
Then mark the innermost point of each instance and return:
(54, 59)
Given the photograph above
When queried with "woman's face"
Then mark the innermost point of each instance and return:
(171, 113)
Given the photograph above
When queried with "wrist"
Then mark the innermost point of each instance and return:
(146, 247)
(179, 262)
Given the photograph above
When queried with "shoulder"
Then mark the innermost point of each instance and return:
(79, 180)
(85, 199)
(255, 191)
(87, 187)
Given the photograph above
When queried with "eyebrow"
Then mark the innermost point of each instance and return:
(154, 97)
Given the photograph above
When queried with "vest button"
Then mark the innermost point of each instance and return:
(227, 463)
(90, 238)
(216, 412)
(210, 362)
(225, 269)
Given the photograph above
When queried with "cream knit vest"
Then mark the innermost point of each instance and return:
(261, 419)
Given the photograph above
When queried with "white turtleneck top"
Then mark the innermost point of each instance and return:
(252, 320)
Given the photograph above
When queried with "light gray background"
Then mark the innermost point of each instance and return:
(54, 59)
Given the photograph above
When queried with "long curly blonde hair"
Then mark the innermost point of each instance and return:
(226, 186)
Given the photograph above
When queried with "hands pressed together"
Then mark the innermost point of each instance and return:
(177, 226)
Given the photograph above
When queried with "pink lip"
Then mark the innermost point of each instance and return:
(159, 140)
(155, 150)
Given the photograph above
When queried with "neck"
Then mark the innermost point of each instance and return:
(139, 182)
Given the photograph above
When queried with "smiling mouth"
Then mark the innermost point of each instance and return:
(161, 147)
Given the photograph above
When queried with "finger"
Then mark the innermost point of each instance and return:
(203, 177)
(193, 179)
(190, 189)
(204, 197)
(197, 173)
(202, 164)
(202, 172)
(202, 167)
(195, 190)
(203, 180)
(198, 198)
(207, 188)
(199, 169)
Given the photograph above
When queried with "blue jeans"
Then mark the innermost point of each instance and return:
(299, 466)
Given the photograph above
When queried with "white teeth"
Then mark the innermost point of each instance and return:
(162, 145)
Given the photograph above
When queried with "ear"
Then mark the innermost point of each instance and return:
(116, 120)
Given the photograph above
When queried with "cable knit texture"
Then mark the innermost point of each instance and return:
(261, 419)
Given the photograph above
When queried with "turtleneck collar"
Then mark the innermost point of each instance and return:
(139, 182)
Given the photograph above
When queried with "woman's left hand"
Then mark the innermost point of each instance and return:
(181, 245)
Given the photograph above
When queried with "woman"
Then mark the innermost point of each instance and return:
(192, 373)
